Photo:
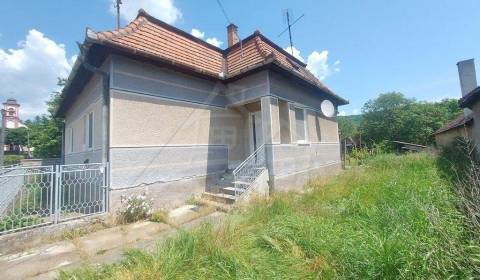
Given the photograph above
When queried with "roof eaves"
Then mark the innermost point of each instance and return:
(470, 98)
(341, 100)
(455, 123)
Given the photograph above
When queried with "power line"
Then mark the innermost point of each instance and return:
(223, 11)
(230, 22)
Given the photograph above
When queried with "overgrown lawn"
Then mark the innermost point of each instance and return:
(392, 218)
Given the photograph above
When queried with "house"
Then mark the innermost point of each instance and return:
(173, 115)
(463, 125)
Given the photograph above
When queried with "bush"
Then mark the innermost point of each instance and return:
(18, 221)
(12, 159)
(136, 208)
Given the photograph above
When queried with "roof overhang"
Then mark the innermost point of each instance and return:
(470, 99)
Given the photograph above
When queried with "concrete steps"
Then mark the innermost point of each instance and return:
(219, 197)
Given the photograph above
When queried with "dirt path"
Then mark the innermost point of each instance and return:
(101, 247)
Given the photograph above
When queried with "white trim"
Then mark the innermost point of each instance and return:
(167, 146)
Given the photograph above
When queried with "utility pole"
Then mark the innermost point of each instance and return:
(2, 140)
(117, 5)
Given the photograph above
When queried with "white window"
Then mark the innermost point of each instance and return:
(71, 139)
(89, 131)
(301, 125)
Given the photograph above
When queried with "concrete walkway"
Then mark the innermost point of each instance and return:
(101, 247)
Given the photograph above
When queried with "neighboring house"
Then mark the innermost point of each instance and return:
(171, 113)
(464, 125)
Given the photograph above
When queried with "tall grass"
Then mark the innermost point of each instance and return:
(393, 218)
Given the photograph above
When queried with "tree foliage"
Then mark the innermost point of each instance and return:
(347, 127)
(16, 136)
(46, 130)
(392, 116)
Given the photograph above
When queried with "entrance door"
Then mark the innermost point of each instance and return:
(256, 135)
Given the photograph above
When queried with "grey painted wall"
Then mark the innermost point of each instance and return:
(148, 165)
(129, 75)
(294, 158)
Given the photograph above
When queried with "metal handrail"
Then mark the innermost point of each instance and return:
(248, 171)
(240, 166)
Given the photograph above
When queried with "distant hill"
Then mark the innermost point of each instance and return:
(356, 119)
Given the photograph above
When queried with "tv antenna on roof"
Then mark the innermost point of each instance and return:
(117, 5)
(287, 14)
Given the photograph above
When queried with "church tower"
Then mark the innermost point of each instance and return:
(12, 116)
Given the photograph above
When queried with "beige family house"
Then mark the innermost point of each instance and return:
(175, 116)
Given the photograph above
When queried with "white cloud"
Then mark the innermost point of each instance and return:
(197, 33)
(356, 111)
(214, 41)
(201, 35)
(317, 62)
(342, 113)
(162, 9)
(296, 53)
(29, 72)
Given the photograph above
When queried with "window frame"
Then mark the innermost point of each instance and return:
(89, 131)
(305, 123)
(70, 133)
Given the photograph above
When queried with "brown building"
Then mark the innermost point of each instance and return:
(466, 125)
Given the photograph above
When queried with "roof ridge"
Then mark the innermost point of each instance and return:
(259, 45)
(131, 28)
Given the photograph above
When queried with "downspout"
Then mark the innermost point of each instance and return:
(105, 101)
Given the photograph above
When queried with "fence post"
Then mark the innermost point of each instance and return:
(105, 186)
(53, 178)
(58, 181)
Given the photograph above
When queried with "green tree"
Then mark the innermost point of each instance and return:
(46, 131)
(392, 116)
(16, 136)
(347, 127)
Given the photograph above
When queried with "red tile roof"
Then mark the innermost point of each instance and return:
(457, 122)
(151, 37)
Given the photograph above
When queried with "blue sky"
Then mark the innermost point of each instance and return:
(374, 46)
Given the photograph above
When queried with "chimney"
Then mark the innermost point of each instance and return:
(468, 78)
(232, 34)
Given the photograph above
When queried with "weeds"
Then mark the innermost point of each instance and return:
(159, 216)
(394, 218)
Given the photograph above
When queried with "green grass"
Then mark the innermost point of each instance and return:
(394, 218)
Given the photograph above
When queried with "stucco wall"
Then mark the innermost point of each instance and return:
(446, 138)
(90, 100)
(320, 155)
(247, 89)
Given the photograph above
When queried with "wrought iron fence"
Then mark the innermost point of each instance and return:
(37, 196)
(248, 171)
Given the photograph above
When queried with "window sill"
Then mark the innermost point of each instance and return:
(303, 143)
